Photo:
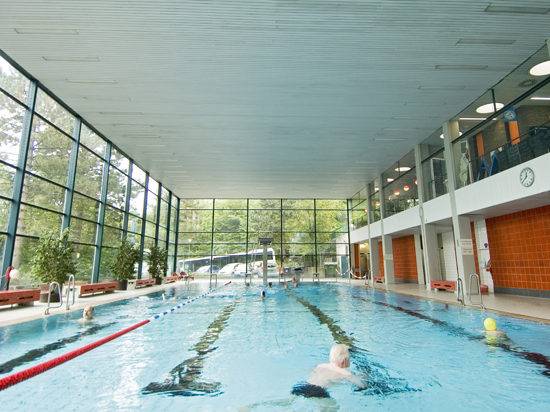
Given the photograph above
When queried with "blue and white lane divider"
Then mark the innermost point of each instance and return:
(187, 301)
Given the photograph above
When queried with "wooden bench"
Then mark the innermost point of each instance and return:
(93, 288)
(379, 279)
(19, 297)
(171, 279)
(142, 283)
(448, 285)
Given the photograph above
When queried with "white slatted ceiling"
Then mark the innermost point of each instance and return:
(266, 98)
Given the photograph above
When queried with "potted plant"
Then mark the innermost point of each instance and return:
(53, 261)
(124, 264)
(157, 258)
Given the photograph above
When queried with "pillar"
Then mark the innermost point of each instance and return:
(419, 259)
(461, 224)
(430, 251)
(374, 262)
(483, 253)
(387, 253)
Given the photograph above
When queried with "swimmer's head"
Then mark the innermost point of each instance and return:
(339, 356)
(270, 284)
(262, 294)
(88, 312)
(490, 324)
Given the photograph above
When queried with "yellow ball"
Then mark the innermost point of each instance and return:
(490, 324)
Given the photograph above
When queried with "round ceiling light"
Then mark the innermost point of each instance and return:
(489, 108)
(390, 179)
(406, 188)
(541, 69)
(402, 169)
(443, 136)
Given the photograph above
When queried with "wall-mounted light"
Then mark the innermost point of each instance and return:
(541, 69)
(396, 192)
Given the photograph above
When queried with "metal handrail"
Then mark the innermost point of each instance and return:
(460, 290)
(475, 276)
(71, 287)
(247, 275)
(315, 276)
(51, 288)
(212, 275)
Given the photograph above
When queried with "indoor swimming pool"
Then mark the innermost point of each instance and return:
(231, 350)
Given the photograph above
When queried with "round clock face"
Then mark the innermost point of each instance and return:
(527, 177)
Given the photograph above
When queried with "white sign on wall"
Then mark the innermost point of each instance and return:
(467, 246)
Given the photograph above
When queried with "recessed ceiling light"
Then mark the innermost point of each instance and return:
(540, 98)
(402, 169)
(489, 108)
(472, 119)
(541, 69)
(389, 179)
(491, 8)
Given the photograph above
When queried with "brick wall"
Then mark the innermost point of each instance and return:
(404, 259)
(519, 244)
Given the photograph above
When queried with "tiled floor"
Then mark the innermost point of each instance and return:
(523, 306)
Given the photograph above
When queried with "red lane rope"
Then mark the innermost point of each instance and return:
(28, 373)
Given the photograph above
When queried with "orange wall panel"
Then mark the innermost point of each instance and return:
(404, 259)
(519, 244)
(380, 260)
(473, 230)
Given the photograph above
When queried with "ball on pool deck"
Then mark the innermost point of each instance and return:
(490, 324)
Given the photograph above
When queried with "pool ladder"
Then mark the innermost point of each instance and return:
(216, 276)
(460, 291)
(475, 277)
(53, 286)
(71, 292)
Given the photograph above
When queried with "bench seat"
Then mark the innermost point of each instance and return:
(93, 288)
(448, 285)
(379, 279)
(19, 297)
(142, 283)
(171, 279)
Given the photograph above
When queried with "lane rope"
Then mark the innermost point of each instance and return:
(32, 371)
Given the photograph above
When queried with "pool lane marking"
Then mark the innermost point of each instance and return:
(533, 357)
(380, 383)
(37, 353)
(183, 378)
(32, 371)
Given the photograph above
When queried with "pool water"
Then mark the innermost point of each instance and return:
(231, 350)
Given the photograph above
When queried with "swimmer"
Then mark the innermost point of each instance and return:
(262, 294)
(270, 284)
(493, 336)
(327, 374)
(87, 313)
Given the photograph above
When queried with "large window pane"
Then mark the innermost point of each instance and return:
(49, 152)
(195, 204)
(331, 204)
(116, 188)
(84, 261)
(264, 203)
(89, 170)
(332, 221)
(35, 222)
(114, 217)
(137, 197)
(92, 141)
(39, 192)
(195, 220)
(7, 174)
(297, 203)
(4, 212)
(230, 221)
(138, 174)
(24, 250)
(13, 81)
(152, 200)
(298, 221)
(54, 112)
(264, 221)
(230, 204)
(11, 124)
(134, 224)
(85, 207)
(82, 231)
(119, 160)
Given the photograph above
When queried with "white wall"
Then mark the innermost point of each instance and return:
(448, 256)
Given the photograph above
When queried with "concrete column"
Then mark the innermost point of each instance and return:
(483, 254)
(387, 252)
(374, 261)
(419, 258)
(432, 265)
(461, 224)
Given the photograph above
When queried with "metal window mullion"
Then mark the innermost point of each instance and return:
(281, 234)
(143, 224)
(176, 238)
(212, 235)
(101, 214)
(168, 224)
(71, 178)
(349, 236)
(18, 181)
(157, 226)
(127, 200)
(315, 232)
(247, 247)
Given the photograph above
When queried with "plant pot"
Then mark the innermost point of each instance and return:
(158, 281)
(122, 284)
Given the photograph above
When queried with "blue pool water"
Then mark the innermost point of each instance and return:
(232, 351)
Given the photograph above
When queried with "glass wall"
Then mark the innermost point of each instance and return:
(359, 209)
(434, 170)
(222, 235)
(57, 172)
(400, 186)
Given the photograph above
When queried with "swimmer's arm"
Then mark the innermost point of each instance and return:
(357, 381)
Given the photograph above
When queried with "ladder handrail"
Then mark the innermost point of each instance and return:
(51, 288)
(211, 275)
(475, 276)
(315, 276)
(460, 290)
(70, 287)
(248, 275)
